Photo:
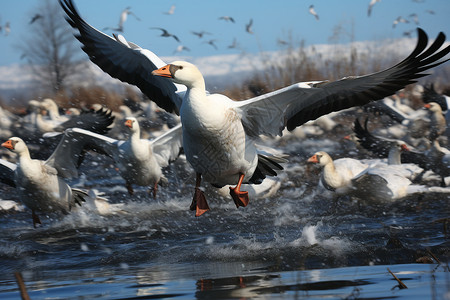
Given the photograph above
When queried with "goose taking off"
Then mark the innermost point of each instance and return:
(139, 161)
(219, 133)
(37, 182)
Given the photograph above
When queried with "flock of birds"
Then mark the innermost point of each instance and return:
(5, 28)
(412, 18)
(217, 135)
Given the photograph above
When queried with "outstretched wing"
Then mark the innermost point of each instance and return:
(167, 147)
(96, 121)
(7, 172)
(380, 147)
(70, 151)
(294, 105)
(125, 61)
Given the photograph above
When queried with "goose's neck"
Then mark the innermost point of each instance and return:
(199, 83)
(24, 156)
(135, 136)
(331, 179)
(394, 157)
(54, 114)
(436, 145)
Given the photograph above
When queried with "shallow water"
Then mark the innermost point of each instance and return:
(298, 243)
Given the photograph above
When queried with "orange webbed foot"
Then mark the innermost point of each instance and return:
(199, 203)
(240, 198)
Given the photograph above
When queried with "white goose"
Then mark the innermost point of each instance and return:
(391, 181)
(214, 139)
(139, 161)
(53, 110)
(218, 133)
(438, 123)
(38, 184)
(337, 175)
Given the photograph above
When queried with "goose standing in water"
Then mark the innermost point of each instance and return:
(337, 175)
(437, 120)
(219, 133)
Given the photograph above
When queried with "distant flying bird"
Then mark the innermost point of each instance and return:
(371, 4)
(409, 33)
(165, 33)
(200, 34)
(233, 45)
(123, 17)
(35, 18)
(7, 28)
(415, 18)
(282, 42)
(313, 12)
(227, 18)
(211, 42)
(431, 12)
(399, 19)
(181, 48)
(248, 27)
(171, 10)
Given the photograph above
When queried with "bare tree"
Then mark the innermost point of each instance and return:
(49, 46)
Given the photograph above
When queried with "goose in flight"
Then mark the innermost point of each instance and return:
(248, 26)
(200, 34)
(399, 19)
(123, 17)
(313, 12)
(371, 4)
(227, 18)
(35, 18)
(219, 133)
(171, 10)
(181, 48)
(165, 33)
(37, 182)
(139, 161)
(212, 43)
(436, 159)
(95, 120)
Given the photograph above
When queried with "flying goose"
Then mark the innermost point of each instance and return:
(219, 133)
(139, 161)
(37, 182)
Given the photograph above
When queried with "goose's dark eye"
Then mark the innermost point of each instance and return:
(180, 67)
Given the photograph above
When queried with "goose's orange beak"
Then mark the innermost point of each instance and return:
(313, 159)
(163, 72)
(8, 144)
(404, 147)
(129, 123)
(427, 105)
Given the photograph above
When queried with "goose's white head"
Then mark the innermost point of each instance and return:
(322, 158)
(16, 145)
(181, 72)
(433, 107)
(132, 123)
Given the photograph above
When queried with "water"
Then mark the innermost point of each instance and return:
(298, 243)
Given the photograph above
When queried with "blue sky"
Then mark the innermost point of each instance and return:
(272, 20)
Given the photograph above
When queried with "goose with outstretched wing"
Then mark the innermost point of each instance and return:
(219, 133)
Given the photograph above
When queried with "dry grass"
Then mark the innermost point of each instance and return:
(296, 65)
(299, 66)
